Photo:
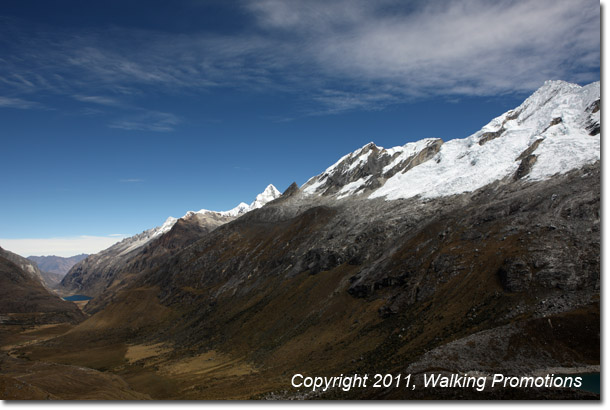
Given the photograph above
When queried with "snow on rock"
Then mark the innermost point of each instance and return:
(240, 209)
(167, 225)
(368, 167)
(555, 130)
(313, 184)
(406, 152)
(134, 242)
(352, 187)
(554, 125)
(137, 241)
(269, 194)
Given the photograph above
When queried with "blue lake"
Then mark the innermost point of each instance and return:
(77, 298)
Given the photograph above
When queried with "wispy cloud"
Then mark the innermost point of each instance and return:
(18, 103)
(336, 101)
(65, 246)
(148, 121)
(335, 56)
(97, 99)
(449, 48)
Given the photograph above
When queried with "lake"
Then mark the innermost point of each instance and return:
(77, 298)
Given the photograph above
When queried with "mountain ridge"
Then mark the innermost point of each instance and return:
(53, 268)
(97, 272)
(497, 271)
(538, 139)
(56, 264)
(24, 300)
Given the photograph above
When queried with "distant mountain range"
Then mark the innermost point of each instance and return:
(54, 268)
(57, 264)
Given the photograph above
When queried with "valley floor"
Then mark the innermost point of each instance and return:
(118, 371)
(48, 362)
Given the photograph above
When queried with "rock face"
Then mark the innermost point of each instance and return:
(369, 167)
(25, 301)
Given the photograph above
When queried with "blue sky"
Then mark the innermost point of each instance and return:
(118, 114)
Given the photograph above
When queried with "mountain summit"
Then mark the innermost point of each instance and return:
(554, 131)
(269, 194)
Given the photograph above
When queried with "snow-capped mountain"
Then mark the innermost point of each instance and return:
(457, 275)
(505, 242)
(269, 194)
(134, 242)
(94, 274)
(553, 131)
(369, 167)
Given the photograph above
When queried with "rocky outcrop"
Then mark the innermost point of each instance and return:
(291, 190)
(369, 167)
(525, 166)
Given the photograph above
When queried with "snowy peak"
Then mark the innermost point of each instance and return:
(556, 103)
(135, 242)
(369, 167)
(240, 209)
(269, 194)
(552, 132)
(167, 225)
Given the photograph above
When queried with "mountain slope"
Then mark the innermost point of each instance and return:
(373, 284)
(24, 300)
(110, 267)
(28, 266)
(553, 131)
(480, 254)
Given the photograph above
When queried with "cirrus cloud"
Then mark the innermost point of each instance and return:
(330, 56)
